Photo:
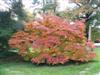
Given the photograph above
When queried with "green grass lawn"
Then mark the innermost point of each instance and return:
(16, 67)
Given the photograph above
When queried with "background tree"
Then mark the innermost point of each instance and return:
(5, 28)
(48, 6)
(11, 20)
(86, 10)
(90, 11)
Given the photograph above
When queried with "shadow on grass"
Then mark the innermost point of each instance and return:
(12, 57)
(67, 63)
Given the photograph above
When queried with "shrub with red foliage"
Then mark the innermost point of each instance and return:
(52, 41)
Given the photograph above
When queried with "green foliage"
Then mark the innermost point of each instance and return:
(95, 34)
(8, 24)
(17, 8)
(5, 54)
(5, 28)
